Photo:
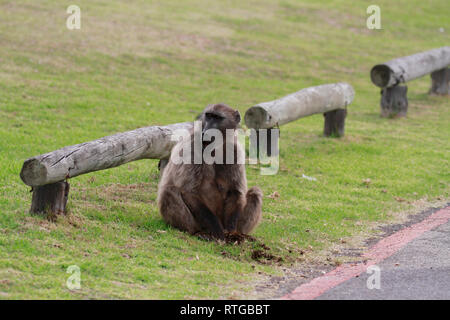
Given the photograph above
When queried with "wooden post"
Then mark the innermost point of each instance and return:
(45, 173)
(161, 165)
(50, 199)
(408, 68)
(303, 103)
(328, 99)
(334, 125)
(389, 75)
(268, 150)
(394, 102)
(440, 82)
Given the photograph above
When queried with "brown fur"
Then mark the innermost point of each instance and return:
(210, 198)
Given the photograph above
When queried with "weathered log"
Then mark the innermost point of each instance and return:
(50, 199)
(334, 125)
(394, 102)
(108, 152)
(300, 104)
(409, 68)
(440, 82)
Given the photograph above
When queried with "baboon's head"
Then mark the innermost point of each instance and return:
(220, 116)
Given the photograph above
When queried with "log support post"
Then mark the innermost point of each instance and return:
(334, 125)
(440, 82)
(161, 165)
(394, 102)
(50, 199)
(271, 137)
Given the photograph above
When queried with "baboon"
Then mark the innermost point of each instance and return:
(209, 198)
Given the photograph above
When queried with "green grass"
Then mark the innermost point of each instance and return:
(139, 63)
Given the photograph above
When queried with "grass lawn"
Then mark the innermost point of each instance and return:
(139, 63)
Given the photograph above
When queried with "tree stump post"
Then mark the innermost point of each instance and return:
(394, 102)
(50, 199)
(440, 82)
(334, 123)
(268, 144)
(161, 165)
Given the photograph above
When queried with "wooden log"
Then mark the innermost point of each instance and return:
(50, 199)
(404, 69)
(394, 102)
(300, 104)
(334, 125)
(440, 82)
(108, 152)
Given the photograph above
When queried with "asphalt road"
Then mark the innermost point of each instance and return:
(420, 270)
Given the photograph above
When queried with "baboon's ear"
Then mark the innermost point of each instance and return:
(237, 116)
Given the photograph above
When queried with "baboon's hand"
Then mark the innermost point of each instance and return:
(255, 192)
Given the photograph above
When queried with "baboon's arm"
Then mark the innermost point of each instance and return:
(202, 215)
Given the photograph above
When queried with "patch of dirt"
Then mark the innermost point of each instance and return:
(260, 255)
(238, 238)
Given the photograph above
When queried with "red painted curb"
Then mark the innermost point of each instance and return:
(383, 249)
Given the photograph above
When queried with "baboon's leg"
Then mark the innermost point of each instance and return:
(233, 209)
(251, 215)
(175, 212)
(204, 218)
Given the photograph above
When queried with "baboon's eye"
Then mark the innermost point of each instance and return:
(213, 116)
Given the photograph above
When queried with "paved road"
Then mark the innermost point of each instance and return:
(420, 270)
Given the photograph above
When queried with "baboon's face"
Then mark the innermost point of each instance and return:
(220, 117)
